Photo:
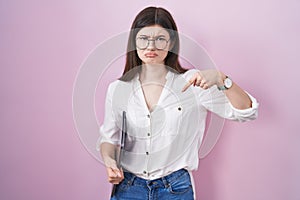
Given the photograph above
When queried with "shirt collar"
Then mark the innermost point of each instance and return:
(169, 75)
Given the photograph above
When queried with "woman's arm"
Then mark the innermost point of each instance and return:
(236, 95)
(108, 152)
(107, 143)
(207, 78)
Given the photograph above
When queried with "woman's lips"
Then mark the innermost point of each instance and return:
(151, 55)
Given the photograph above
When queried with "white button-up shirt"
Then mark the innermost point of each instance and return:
(167, 138)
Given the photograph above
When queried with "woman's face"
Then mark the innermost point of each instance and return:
(152, 44)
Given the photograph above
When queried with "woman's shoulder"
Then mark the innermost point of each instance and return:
(118, 84)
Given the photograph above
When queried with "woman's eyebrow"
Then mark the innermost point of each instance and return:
(150, 36)
(144, 36)
(160, 36)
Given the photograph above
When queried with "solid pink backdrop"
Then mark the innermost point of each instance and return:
(43, 44)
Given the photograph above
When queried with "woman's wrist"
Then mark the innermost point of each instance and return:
(110, 162)
(221, 78)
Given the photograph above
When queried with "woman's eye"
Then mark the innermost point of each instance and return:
(143, 38)
(160, 39)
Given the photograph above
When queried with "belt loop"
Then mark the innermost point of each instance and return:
(130, 182)
(166, 183)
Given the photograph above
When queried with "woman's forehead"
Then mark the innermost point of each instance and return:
(154, 30)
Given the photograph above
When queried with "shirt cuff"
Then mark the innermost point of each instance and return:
(248, 113)
(102, 139)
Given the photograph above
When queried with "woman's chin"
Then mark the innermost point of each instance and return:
(152, 62)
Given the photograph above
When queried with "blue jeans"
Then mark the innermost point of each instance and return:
(176, 186)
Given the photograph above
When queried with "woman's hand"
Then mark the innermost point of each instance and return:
(115, 175)
(205, 79)
(108, 152)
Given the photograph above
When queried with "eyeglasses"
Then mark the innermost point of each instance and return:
(143, 42)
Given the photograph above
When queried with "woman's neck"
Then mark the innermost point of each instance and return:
(153, 72)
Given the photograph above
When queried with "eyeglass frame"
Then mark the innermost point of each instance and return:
(148, 39)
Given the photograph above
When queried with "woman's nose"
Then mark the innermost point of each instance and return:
(151, 45)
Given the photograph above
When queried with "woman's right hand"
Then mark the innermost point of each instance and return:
(115, 175)
(108, 151)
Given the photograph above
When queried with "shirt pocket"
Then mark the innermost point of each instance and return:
(173, 121)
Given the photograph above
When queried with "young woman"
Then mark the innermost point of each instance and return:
(166, 107)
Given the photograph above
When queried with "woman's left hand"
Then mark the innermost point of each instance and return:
(205, 79)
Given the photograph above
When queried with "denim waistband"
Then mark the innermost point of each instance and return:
(166, 180)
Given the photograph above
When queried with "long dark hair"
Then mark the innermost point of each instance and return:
(147, 17)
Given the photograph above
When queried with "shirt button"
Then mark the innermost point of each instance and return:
(148, 134)
(144, 172)
(148, 116)
(147, 153)
(179, 108)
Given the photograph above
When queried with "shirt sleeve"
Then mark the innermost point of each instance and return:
(217, 102)
(109, 131)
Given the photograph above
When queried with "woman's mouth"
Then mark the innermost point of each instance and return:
(151, 55)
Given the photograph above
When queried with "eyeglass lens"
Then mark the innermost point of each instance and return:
(144, 42)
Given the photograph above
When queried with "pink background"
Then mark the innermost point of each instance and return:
(43, 43)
